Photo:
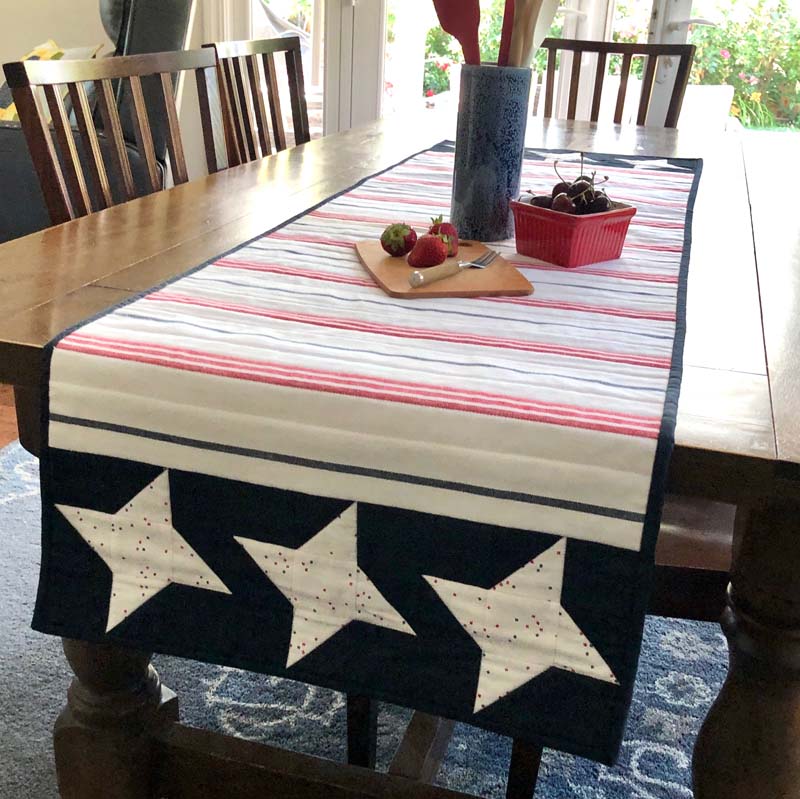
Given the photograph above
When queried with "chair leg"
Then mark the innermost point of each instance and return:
(362, 731)
(523, 770)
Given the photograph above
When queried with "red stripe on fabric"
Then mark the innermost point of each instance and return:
(642, 276)
(417, 181)
(396, 331)
(656, 316)
(309, 239)
(658, 224)
(420, 222)
(566, 306)
(665, 316)
(632, 245)
(402, 199)
(279, 269)
(479, 400)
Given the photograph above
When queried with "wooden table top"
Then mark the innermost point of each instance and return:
(736, 434)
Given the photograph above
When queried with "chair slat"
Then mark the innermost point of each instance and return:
(244, 108)
(91, 145)
(231, 140)
(623, 87)
(141, 129)
(679, 90)
(647, 89)
(174, 143)
(74, 177)
(550, 87)
(271, 76)
(574, 83)
(40, 145)
(297, 95)
(113, 130)
(599, 77)
(205, 120)
(254, 76)
(236, 113)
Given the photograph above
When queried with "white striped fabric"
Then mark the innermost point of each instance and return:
(282, 364)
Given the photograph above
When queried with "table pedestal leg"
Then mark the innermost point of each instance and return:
(749, 745)
(103, 737)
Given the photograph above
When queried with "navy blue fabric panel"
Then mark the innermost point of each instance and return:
(436, 670)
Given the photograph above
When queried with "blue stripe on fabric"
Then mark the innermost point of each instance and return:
(361, 471)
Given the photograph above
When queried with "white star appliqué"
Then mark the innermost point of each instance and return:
(521, 627)
(143, 550)
(326, 587)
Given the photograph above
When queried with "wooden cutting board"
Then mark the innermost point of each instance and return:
(499, 279)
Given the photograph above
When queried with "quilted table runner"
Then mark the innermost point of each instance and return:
(449, 504)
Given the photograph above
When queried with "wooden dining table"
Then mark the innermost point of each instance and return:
(737, 439)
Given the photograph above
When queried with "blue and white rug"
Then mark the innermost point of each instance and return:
(681, 669)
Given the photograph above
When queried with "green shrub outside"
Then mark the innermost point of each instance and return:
(759, 55)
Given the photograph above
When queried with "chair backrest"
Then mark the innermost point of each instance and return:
(247, 131)
(652, 52)
(62, 179)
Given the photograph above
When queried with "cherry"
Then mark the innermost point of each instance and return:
(559, 188)
(579, 187)
(599, 204)
(563, 203)
(542, 201)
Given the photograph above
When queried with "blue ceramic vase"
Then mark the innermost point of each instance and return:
(492, 116)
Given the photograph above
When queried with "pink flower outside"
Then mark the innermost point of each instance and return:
(753, 80)
(429, 93)
(726, 54)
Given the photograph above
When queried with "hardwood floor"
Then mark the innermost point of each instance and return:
(8, 416)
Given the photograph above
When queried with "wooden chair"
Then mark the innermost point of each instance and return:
(247, 131)
(652, 52)
(62, 179)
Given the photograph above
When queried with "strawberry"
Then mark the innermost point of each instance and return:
(398, 239)
(440, 228)
(428, 251)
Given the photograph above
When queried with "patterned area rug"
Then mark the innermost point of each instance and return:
(681, 670)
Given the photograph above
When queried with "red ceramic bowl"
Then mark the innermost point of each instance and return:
(570, 240)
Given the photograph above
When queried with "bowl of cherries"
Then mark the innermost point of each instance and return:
(575, 224)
